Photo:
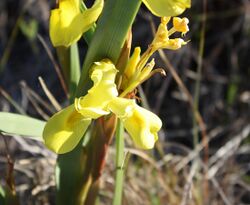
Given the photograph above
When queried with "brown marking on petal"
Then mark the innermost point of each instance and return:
(74, 117)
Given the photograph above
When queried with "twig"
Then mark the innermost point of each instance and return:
(37, 97)
(34, 103)
(198, 149)
(185, 91)
(12, 102)
(198, 83)
(220, 191)
(56, 66)
(10, 169)
(217, 186)
(226, 151)
(188, 185)
(49, 95)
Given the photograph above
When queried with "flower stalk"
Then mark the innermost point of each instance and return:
(119, 163)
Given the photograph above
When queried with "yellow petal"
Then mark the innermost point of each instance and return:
(64, 130)
(122, 107)
(181, 24)
(143, 75)
(94, 104)
(143, 126)
(68, 23)
(167, 7)
(132, 63)
(161, 35)
(174, 44)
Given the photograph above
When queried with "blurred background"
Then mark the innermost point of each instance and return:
(195, 162)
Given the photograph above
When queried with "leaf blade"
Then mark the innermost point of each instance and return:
(12, 123)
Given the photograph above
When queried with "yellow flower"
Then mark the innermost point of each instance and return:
(137, 71)
(131, 67)
(94, 104)
(181, 24)
(162, 40)
(133, 73)
(167, 7)
(68, 23)
(64, 130)
(141, 124)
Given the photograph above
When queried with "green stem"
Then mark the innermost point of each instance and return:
(203, 189)
(198, 80)
(119, 163)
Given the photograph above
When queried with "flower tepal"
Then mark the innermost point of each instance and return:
(94, 104)
(68, 22)
(141, 124)
(64, 130)
(167, 7)
(143, 127)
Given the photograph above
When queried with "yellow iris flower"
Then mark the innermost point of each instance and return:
(94, 104)
(163, 8)
(138, 69)
(65, 129)
(68, 22)
(141, 124)
(136, 72)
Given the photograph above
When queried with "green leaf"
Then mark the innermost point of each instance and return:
(75, 70)
(115, 27)
(11, 123)
(69, 176)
